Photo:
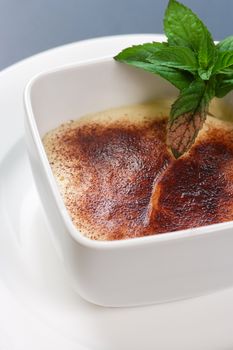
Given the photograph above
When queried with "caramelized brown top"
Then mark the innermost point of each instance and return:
(119, 181)
(196, 190)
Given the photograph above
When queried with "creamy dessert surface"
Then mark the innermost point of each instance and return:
(118, 180)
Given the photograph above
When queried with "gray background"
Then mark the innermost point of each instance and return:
(30, 26)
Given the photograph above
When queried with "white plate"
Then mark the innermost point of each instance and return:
(38, 309)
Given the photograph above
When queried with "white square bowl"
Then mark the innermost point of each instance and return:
(130, 272)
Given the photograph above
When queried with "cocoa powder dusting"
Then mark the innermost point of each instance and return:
(119, 181)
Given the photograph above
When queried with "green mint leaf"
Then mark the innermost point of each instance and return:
(193, 63)
(188, 99)
(205, 74)
(224, 60)
(183, 27)
(226, 71)
(177, 57)
(188, 114)
(182, 132)
(225, 84)
(139, 52)
(160, 54)
(142, 56)
(226, 44)
(207, 56)
(210, 92)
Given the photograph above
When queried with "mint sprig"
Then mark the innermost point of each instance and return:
(190, 61)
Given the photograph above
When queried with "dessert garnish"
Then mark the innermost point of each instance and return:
(193, 63)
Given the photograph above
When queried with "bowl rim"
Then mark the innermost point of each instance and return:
(162, 238)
